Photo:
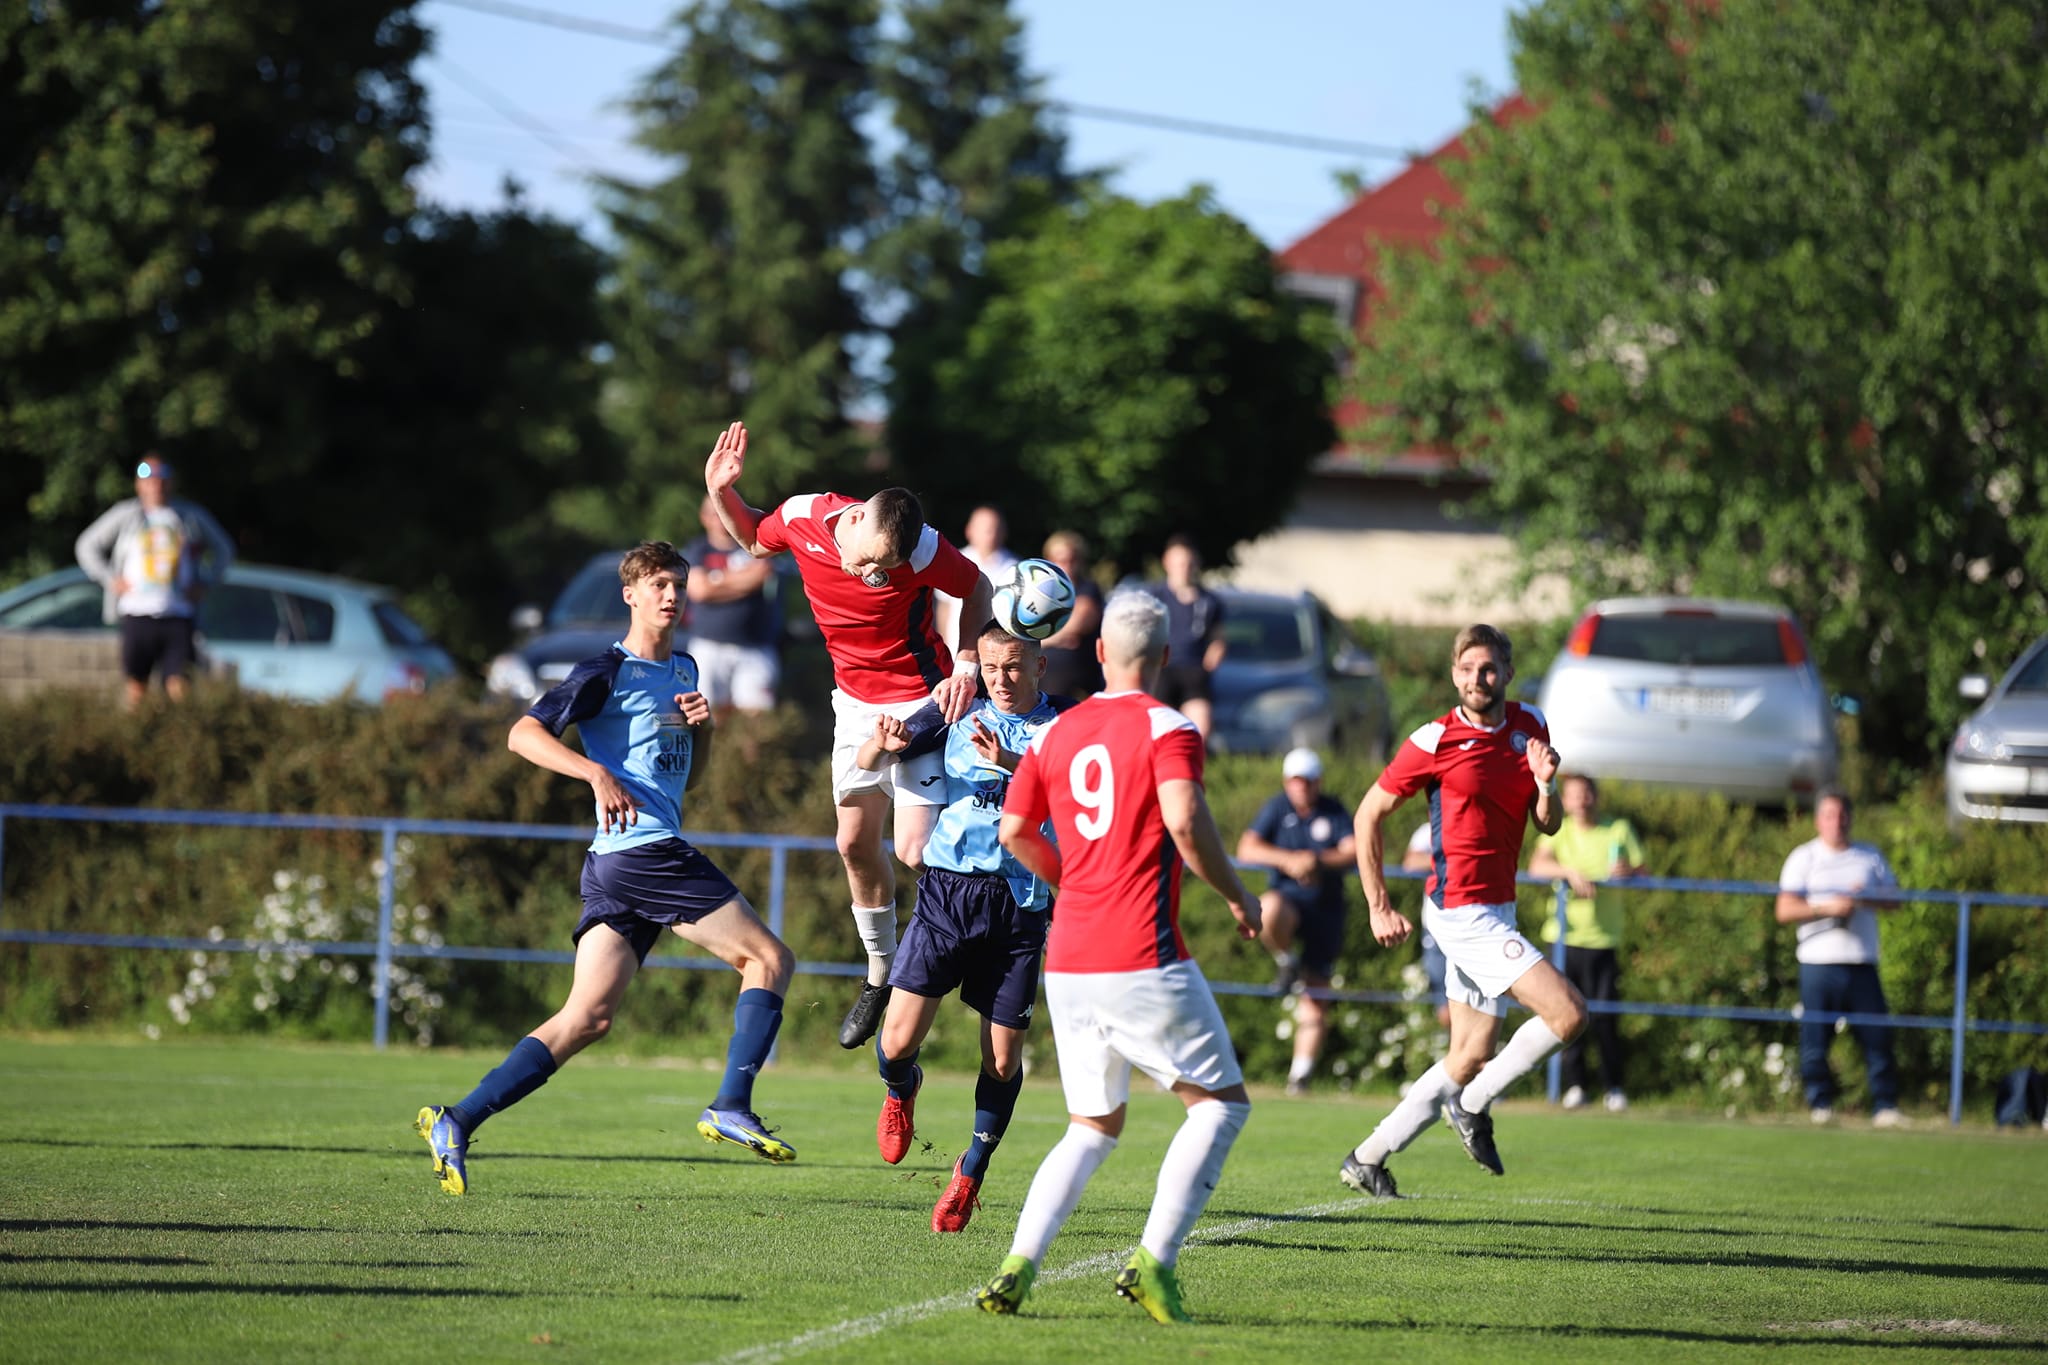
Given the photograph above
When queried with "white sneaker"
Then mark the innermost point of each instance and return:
(1574, 1098)
(1887, 1118)
(1820, 1113)
(1616, 1102)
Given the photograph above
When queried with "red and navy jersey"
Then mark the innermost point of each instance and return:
(1480, 795)
(1095, 773)
(883, 643)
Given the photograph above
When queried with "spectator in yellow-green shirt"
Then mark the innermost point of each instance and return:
(1584, 852)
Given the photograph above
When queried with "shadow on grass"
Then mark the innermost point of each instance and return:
(82, 1258)
(1539, 1333)
(1379, 1211)
(375, 1291)
(1758, 1260)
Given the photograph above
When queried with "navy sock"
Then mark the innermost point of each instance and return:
(994, 1101)
(755, 1021)
(526, 1068)
(900, 1075)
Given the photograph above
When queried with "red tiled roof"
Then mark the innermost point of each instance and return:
(1398, 210)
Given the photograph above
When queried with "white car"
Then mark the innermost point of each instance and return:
(1693, 692)
(1998, 764)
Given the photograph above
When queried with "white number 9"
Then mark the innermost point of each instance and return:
(1093, 783)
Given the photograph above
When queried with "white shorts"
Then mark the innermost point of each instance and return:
(1162, 1020)
(919, 782)
(742, 676)
(1484, 953)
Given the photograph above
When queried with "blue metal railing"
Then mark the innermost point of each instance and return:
(386, 952)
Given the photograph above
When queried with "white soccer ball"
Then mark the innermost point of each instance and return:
(1036, 602)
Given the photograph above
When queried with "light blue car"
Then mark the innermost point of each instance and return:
(309, 636)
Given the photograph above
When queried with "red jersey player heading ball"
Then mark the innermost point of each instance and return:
(870, 569)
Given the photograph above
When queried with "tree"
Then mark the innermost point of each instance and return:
(730, 298)
(200, 211)
(978, 162)
(1135, 371)
(1753, 306)
(208, 244)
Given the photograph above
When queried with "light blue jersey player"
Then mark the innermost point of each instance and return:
(643, 724)
(981, 917)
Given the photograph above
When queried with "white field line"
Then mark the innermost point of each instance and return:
(853, 1329)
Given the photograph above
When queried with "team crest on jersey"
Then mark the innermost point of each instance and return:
(1513, 949)
(1519, 742)
(1320, 829)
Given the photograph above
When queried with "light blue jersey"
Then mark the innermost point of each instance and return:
(624, 708)
(964, 839)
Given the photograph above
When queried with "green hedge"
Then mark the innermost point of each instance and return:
(443, 757)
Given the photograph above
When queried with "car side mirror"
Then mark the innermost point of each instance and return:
(1974, 687)
(526, 618)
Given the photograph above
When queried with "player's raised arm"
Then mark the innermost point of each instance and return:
(721, 478)
(1186, 812)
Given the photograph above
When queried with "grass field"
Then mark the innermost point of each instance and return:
(258, 1202)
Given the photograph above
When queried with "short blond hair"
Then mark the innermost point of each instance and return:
(1491, 636)
(1133, 628)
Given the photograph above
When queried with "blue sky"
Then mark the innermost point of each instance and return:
(1387, 74)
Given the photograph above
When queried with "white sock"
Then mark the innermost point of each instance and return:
(877, 927)
(1303, 1068)
(1188, 1176)
(1532, 1042)
(1057, 1188)
(1410, 1118)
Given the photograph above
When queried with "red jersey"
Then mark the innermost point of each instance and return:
(1480, 794)
(883, 644)
(1095, 772)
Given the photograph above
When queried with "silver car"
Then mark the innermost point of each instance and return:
(1692, 692)
(1998, 764)
(311, 636)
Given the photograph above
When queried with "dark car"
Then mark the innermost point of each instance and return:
(587, 618)
(1293, 675)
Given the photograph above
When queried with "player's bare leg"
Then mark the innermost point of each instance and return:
(1311, 1017)
(1560, 1015)
(872, 881)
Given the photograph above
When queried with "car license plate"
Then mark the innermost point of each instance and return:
(1688, 701)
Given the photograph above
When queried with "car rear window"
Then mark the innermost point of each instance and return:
(1696, 641)
(1264, 635)
(396, 627)
(316, 619)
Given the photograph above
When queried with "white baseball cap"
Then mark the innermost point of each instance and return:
(1302, 763)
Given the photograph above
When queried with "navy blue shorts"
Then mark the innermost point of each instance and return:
(1318, 936)
(968, 932)
(642, 890)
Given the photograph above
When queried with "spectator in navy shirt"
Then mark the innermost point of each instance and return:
(1306, 838)
(1194, 639)
(734, 624)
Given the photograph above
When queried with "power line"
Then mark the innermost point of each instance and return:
(511, 112)
(1170, 123)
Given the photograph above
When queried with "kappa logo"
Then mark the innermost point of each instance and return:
(980, 1136)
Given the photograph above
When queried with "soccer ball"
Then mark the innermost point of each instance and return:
(1037, 602)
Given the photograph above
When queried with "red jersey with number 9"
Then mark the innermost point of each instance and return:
(1095, 773)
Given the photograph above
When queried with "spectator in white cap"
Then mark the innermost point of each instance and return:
(155, 555)
(1305, 838)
